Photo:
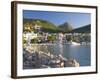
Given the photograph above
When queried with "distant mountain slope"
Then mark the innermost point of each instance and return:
(84, 29)
(46, 26)
(65, 27)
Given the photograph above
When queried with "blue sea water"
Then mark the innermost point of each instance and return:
(81, 53)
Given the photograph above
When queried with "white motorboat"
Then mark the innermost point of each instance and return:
(75, 43)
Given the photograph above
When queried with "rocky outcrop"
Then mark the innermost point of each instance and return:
(38, 59)
(71, 63)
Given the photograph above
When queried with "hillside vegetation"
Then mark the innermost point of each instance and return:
(84, 29)
(47, 26)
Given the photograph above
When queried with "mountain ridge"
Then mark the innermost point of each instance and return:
(83, 29)
(52, 28)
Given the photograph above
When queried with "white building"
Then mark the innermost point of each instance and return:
(29, 35)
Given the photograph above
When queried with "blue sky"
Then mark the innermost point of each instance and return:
(57, 18)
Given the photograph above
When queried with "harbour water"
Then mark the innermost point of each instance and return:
(81, 53)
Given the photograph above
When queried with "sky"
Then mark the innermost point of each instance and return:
(58, 18)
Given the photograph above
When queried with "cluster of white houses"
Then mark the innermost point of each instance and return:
(77, 37)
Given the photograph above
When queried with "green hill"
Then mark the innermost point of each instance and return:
(46, 26)
(84, 29)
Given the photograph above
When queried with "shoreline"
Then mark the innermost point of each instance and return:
(69, 43)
